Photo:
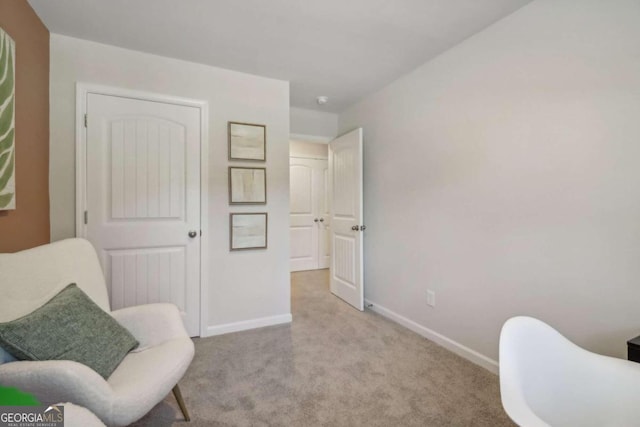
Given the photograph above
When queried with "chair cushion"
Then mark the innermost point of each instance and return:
(69, 327)
(5, 356)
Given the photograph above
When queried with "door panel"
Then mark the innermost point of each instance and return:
(344, 200)
(309, 214)
(143, 198)
(345, 166)
(147, 169)
(302, 247)
(304, 231)
(144, 276)
(301, 176)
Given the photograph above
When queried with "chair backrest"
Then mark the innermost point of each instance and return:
(546, 380)
(30, 278)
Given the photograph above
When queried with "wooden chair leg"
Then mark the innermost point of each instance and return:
(183, 407)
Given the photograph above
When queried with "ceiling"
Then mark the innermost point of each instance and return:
(344, 49)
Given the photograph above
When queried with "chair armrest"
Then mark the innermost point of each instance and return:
(152, 324)
(55, 381)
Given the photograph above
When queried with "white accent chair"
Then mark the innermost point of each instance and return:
(29, 278)
(77, 416)
(546, 380)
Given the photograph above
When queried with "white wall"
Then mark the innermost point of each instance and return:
(256, 295)
(308, 150)
(314, 123)
(504, 176)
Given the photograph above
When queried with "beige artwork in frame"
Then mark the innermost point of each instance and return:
(247, 141)
(248, 231)
(247, 186)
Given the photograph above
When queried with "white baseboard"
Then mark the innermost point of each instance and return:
(247, 324)
(454, 346)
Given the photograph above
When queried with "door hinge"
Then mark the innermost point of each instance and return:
(85, 120)
(86, 217)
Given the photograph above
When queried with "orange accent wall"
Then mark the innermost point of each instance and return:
(28, 225)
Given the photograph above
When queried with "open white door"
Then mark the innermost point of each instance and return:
(345, 169)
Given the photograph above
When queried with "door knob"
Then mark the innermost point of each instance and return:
(315, 220)
(355, 228)
(363, 227)
(193, 234)
(321, 219)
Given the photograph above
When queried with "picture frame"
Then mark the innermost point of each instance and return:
(247, 141)
(248, 230)
(247, 185)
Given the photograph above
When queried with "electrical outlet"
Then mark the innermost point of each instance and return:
(431, 298)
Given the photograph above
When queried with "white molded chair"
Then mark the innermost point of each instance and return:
(546, 380)
(30, 278)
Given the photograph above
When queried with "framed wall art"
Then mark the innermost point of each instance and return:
(247, 141)
(7, 122)
(248, 231)
(247, 186)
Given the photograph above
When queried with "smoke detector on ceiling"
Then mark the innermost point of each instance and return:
(321, 100)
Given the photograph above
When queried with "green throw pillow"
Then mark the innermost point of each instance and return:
(69, 327)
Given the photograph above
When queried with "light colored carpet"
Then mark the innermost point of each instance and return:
(333, 366)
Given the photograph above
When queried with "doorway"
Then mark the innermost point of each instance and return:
(326, 224)
(309, 206)
(310, 220)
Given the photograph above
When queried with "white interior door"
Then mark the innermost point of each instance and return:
(345, 166)
(143, 201)
(309, 218)
(324, 236)
(303, 215)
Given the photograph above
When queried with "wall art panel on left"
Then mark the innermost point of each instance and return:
(7, 122)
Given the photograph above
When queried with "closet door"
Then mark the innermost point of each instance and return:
(324, 202)
(143, 201)
(304, 220)
(310, 220)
